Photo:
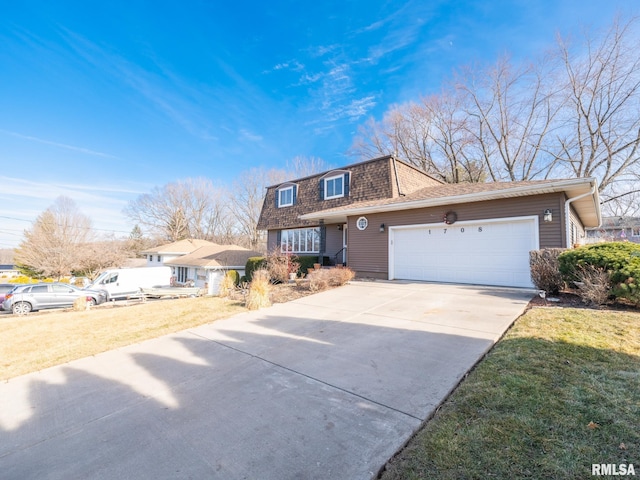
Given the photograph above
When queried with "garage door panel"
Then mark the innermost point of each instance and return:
(487, 252)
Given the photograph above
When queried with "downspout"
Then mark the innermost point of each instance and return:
(567, 212)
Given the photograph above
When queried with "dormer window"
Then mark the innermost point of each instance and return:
(334, 187)
(286, 196)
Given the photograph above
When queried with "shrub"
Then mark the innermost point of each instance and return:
(22, 279)
(80, 304)
(621, 261)
(227, 284)
(594, 286)
(329, 277)
(235, 276)
(280, 265)
(258, 295)
(253, 264)
(545, 271)
(306, 262)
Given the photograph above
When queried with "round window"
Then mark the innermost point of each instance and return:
(362, 223)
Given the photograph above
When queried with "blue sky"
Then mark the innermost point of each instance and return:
(102, 101)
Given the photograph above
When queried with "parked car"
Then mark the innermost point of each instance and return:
(4, 289)
(26, 298)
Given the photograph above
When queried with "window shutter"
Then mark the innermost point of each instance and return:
(346, 184)
(321, 189)
(295, 194)
(277, 195)
(279, 239)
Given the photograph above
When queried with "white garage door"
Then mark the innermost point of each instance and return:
(491, 252)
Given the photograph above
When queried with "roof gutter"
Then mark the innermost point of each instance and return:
(567, 212)
(465, 198)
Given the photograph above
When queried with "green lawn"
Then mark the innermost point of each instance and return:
(560, 392)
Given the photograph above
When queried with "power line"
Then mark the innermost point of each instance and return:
(59, 225)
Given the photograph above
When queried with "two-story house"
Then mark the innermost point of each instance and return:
(387, 219)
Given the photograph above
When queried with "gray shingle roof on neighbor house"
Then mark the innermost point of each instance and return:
(180, 247)
(215, 256)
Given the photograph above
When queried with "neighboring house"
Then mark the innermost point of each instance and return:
(8, 271)
(616, 229)
(156, 257)
(387, 219)
(207, 265)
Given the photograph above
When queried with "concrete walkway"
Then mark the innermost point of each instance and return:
(327, 386)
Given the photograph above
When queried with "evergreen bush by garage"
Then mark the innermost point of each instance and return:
(621, 260)
(253, 264)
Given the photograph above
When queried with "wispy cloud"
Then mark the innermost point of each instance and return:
(59, 145)
(247, 135)
(159, 90)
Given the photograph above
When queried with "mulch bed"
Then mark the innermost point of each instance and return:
(280, 293)
(571, 300)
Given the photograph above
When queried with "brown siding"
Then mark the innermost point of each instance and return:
(368, 249)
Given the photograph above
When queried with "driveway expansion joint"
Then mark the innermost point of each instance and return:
(277, 365)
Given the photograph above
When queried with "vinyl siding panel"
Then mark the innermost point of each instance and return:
(577, 232)
(368, 249)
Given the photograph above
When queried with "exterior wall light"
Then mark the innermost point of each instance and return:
(548, 216)
(382, 228)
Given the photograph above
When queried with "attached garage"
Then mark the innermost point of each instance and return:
(486, 252)
(478, 233)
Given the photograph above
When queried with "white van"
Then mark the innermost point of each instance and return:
(122, 282)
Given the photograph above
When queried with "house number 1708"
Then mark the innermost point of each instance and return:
(444, 230)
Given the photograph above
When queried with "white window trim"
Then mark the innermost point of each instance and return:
(326, 181)
(280, 203)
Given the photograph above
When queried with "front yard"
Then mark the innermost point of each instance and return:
(560, 392)
(36, 341)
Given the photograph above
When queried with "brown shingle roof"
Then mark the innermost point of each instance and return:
(455, 193)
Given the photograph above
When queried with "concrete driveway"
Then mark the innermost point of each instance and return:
(327, 386)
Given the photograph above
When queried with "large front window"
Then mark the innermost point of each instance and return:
(334, 187)
(300, 240)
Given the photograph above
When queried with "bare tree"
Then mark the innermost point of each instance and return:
(6, 256)
(510, 112)
(246, 205)
(600, 133)
(190, 208)
(301, 166)
(53, 247)
(99, 255)
(573, 113)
